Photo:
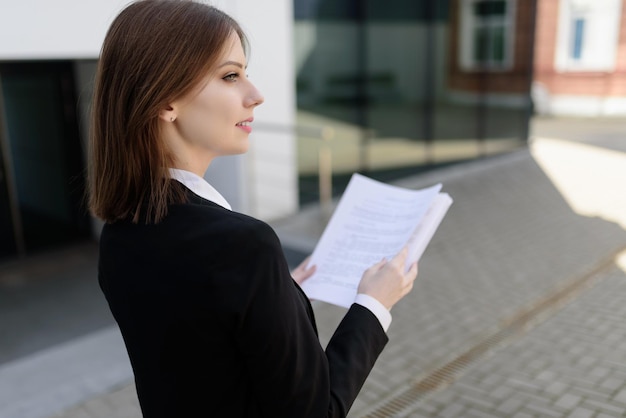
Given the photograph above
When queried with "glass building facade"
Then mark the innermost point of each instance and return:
(402, 86)
(42, 185)
(387, 89)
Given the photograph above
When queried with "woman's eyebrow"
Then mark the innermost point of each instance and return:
(235, 63)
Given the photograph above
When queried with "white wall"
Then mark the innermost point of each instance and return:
(59, 29)
(591, 106)
(262, 183)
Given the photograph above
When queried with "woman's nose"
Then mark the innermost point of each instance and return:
(255, 97)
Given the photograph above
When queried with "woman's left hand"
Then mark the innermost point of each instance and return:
(301, 273)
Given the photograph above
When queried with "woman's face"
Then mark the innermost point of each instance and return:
(215, 120)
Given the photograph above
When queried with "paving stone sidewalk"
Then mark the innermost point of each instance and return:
(510, 242)
(572, 365)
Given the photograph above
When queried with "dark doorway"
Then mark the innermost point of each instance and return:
(7, 235)
(45, 153)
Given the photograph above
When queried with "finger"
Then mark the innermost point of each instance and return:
(407, 289)
(411, 274)
(380, 264)
(304, 268)
(375, 267)
(306, 273)
(304, 263)
(400, 258)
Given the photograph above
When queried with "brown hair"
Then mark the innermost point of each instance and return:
(156, 51)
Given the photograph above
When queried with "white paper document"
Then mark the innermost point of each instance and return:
(372, 220)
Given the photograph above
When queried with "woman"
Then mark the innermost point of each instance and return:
(212, 319)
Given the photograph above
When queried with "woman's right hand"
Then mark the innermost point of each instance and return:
(387, 281)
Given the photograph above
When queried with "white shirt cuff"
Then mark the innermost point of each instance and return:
(377, 308)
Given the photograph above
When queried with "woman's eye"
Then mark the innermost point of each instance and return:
(231, 77)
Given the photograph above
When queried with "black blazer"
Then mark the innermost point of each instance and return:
(215, 326)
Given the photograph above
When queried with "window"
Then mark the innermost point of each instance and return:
(486, 34)
(587, 35)
(578, 36)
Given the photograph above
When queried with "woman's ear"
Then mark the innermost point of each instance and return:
(168, 114)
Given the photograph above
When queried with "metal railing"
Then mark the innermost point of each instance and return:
(325, 134)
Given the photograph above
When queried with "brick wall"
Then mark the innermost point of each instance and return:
(513, 81)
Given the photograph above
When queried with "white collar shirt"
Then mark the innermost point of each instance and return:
(199, 186)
